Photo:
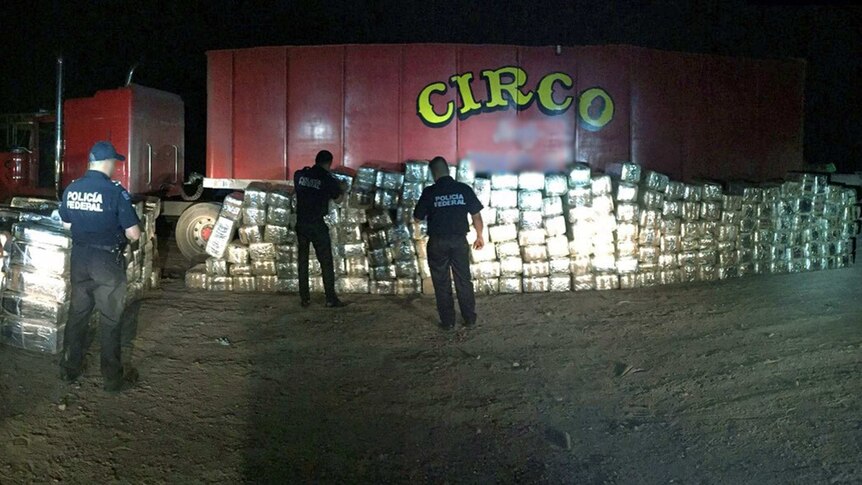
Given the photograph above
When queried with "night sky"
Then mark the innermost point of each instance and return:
(102, 39)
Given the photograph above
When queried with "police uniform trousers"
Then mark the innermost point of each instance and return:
(445, 253)
(316, 233)
(98, 280)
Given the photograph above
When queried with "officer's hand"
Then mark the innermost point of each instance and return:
(480, 242)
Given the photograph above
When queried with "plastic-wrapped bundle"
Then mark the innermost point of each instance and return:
(670, 277)
(411, 191)
(672, 208)
(505, 232)
(397, 233)
(558, 246)
(408, 286)
(690, 211)
(668, 261)
(600, 185)
(529, 200)
(253, 216)
(487, 286)
(650, 199)
(508, 248)
(555, 226)
(266, 284)
(255, 195)
(710, 211)
(482, 189)
(628, 281)
(730, 203)
(711, 192)
(580, 266)
(352, 285)
(216, 267)
(583, 282)
(379, 219)
(285, 269)
(385, 272)
(692, 193)
(531, 181)
(263, 268)
(648, 218)
(530, 220)
(403, 250)
(31, 232)
(559, 265)
(752, 195)
(536, 284)
(382, 287)
(250, 234)
(627, 212)
(485, 270)
(45, 285)
(236, 253)
(675, 190)
(504, 198)
(552, 206)
(487, 253)
(196, 277)
(603, 262)
(532, 269)
(389, 180)
(47, 259)
(626, 192)
(607, 281)
(386, 199)
(507, 216)
(406, 269)
(504, 181)
(645, 279)
(534, 253)
(559, 283)
(531, 237)
(278, 235)
(361, 198)
(579, 175)
(580, 215)
(356, 266)
(464, 172)
(379, 257)
(32, 335)
(281, 197)
(220, 283)
(624, 172)
(378, 239)
(511, 285)
(416, 171)
(626, 265)
(556, 185)
(32, 307)
(603, 204)
(243, 269)
(261, 251)
(655, 181)
(243, 283)
(649, 237)
(579, 197)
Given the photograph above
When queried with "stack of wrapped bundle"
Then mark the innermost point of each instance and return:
(626, 178)
(580, 228)
(658, 245)
(532, 237)
(503, 231)
(35, 298)
(603, 260)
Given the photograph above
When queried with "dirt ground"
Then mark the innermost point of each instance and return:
(753, 380)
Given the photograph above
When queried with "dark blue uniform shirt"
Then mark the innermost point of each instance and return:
(446, 205)
(99, 209)
(315, 187)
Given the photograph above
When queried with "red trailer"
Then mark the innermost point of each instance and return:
(270, 109)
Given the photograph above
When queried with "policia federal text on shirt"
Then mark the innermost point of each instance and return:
(315, 187)
(446, 205)
(100, 215)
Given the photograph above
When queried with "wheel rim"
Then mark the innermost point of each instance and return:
(201, 230)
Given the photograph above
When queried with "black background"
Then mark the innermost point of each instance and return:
(100, 40)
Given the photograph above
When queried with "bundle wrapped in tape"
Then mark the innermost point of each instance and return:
(624, 172)
(464, 172)
(555, 226)
(34, 335)
(243, 269)
(31, 232)
(386, 198)
(626, 192)
(352, 285)
(579, 197)
(243, 283)
(655, 181)
(34, 307)
(552, 206)
(486, 286)
(556, 185)
(531, 181)
(530, 200)
(530, 237)
(46, 285)
(485, 269)
(255, 195)
(504, 181)
(416, 171)
(382, 287)
(261, 251)
(38, 257)
(600, 185)
(482, 188)
(216, 267)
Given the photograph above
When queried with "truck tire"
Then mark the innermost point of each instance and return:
(194, 228)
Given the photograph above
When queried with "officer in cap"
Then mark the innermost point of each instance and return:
(315, 187)
(446, 205)
(102, 220)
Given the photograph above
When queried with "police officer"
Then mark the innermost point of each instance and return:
(446, 205)
(102, 220)
(315, 187)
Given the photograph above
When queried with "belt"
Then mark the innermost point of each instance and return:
(110, 249)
